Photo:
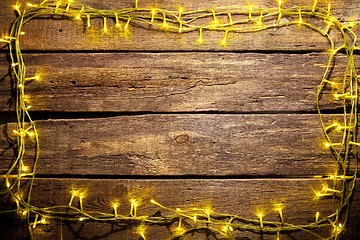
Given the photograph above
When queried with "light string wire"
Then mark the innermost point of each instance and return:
(194, 219)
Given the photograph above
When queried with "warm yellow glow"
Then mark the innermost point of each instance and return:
(24, 168)
(230, 19)
(88, 20)
(215, 20)
(224, 42)
(250, 10)
(259, 22)
(105, 25)
(20, 85)
(300, 17)
(29, 5)
(153, 12)
(328, 26)
(43, 220)
(328, 11)
(16, 7)
(115, 209)
(68, 6)
(317, 217)
(195, 218)
(352, 24)
(127, 24)
(260, 215)
(164, 25)
(7, 183)
(200, 39)
(81, 219)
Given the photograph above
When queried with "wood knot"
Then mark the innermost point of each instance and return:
(183, 138)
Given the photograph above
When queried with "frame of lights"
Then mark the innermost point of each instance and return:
(181, 21)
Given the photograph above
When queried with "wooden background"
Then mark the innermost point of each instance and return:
(184, 124)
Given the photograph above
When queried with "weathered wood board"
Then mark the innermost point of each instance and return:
(176, 82)
(182, 144)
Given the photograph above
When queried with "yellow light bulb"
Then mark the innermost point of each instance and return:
(81, 219)
(260, 216)
(29, 5)
(43, 220)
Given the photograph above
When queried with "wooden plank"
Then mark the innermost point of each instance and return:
(240, 197)
(70, 35)
(175, 82)
(182, 144)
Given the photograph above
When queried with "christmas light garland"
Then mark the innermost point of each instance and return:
(198, 219)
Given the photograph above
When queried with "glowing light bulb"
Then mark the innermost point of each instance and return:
(88, 20)
(200, 39)
(224, 42)
(352, 24)
(153, 13)
(81, 219)
(17, 8)
(317, 217)
(43, 220)
(20, 85)
(260, 216)
(7, 183)
(115, 209)
(127, 23)
(29, 5)
(259, 22)
(105, 27)
(215, 21)
(195, 218)
(250, 10)
(178, 210)
(81, 202)
(300, 17)
(230, 19)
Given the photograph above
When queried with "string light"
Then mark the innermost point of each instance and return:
(260, 216)
(200, 39)
(224, 41)
(300, 17)
(230, 19)
(105, 26)
(201, 218)
(314, 6)
(260, 18)
(115, 209)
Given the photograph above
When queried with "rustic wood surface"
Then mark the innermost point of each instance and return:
(224, 196)
(118, 115)
(182, 144)
(69, 35)
(176, 82)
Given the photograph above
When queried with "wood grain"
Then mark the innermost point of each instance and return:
(175, 82)
(240, 197)
(182, 144)
(69, 35)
